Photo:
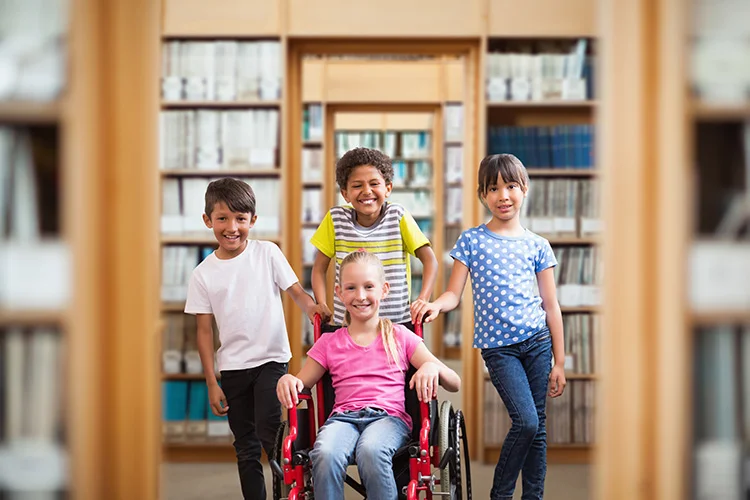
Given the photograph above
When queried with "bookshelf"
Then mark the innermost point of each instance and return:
(549, 126)
(316, 73)
(220, 110)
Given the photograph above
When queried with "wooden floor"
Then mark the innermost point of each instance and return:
(201, 481)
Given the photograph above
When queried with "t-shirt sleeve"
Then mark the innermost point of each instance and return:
(283, 274)
(408, 339)
(319, 350)
(462, 249)
(197, 296)
(545, 257)
(324, 238)
(413, 237)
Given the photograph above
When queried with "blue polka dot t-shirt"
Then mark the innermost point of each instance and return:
(507, 305)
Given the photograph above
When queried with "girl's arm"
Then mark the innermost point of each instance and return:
(449, 300)
(289, 386)
(431, 372)
(318, 277)
(429, 275)
(546, 281)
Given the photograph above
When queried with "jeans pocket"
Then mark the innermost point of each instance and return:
(543, 336)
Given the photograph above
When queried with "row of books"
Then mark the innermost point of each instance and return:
(722, 412)
(578, 275)
(32, 451)
(582, 334)
(412, 174)
(31, 248)
(570, 418)
(312, 165)
(226, 70)
(33, 41)
(312, 122)
(454, 122)
(211, 139)
(454, 164)
(517, 74)
(180, 344)
(562, 207)
(718, 52)
(559, 146)
(186, 413)
(183, 206)
(312, 206)
(406, 145)
(178, 262)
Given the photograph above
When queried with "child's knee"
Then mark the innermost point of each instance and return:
(326, 454)
(529, 424)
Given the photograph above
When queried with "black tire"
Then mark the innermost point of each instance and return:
(461, 438)
(280, 489)
(455, 464)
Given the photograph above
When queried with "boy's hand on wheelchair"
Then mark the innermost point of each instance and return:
(287, 389)
(426, 381)
(217, 400)
(322, 309)
(423, 311)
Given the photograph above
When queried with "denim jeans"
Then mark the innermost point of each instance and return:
(367, 437)
(520, 373)
(254, 417)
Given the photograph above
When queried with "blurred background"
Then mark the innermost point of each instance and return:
(633, 119)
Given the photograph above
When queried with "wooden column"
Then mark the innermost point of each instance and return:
(642, 405)
(128, 239)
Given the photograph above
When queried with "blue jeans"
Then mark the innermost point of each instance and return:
(520, 373)
(367, 437)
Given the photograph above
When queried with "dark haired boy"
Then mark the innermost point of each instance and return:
(365, 178)
(240, 285)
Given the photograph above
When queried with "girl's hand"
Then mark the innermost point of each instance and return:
(287, 389)
(217, 400)
(422, 310)
(557, 381)
(426, 381)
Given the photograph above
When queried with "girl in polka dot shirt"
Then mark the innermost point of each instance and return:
(517, 320)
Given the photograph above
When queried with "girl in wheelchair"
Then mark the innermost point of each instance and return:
(367, 360)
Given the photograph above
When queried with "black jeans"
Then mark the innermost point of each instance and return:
(254, 417)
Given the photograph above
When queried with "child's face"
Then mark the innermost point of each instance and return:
(505, 199)
(366, 190)
(230, 229)
(361, 289)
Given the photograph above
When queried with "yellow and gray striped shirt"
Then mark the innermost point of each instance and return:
(393, 237)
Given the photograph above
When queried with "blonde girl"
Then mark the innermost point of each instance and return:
(367, 360)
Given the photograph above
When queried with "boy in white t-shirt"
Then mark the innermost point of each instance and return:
(240, 285)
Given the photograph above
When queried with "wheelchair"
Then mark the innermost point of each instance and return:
(430, 463)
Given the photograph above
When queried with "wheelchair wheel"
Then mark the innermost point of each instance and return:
(280, 489)
(450, 476)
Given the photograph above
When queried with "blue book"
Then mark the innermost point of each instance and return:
(197, 409)
(174, 407)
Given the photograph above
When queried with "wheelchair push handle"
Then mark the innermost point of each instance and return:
(318, 324)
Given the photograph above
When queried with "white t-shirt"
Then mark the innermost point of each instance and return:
(244, 295)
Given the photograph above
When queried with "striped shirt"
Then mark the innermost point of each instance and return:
(393, 237)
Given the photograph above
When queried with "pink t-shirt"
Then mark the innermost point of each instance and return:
(362, 376)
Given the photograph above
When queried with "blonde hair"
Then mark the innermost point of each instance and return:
(385, 326)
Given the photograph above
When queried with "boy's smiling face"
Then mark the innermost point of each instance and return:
(366, 190)
(230, 229)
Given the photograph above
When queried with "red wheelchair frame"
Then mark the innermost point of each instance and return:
(422, 457)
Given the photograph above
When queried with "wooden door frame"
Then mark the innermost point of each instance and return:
(291, 142)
